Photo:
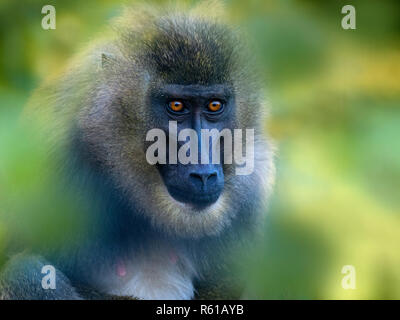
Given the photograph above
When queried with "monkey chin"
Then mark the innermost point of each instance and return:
(197, 202)
(186, 220)
(198, 207)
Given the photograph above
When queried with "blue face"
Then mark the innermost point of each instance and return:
(193, 107)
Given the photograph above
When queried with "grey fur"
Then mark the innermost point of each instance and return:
(97, 112)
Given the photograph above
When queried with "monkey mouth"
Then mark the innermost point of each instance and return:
(197, 200)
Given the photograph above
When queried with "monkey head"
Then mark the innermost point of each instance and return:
(190, 71)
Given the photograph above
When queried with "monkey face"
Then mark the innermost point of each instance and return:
(190, 199)
(199, 182)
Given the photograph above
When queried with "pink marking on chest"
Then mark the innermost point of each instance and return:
(173, 257)
(121, 269)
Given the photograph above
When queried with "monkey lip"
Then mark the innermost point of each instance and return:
(197, 200)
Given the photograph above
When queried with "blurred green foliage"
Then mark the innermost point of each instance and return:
(334, 99)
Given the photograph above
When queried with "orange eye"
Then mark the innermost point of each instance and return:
(176, 106)
(214, 105)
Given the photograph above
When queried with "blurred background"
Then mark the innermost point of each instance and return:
(334, 98)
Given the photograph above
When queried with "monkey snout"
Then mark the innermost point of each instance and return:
(204, 180)
(204, 184)
(199, 185)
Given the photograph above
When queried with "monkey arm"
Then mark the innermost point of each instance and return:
(21, 279)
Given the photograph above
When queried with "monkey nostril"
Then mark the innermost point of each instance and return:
(198, 179)
(203, 178)
(212, 178)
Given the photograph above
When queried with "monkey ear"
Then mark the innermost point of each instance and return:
(107, 59)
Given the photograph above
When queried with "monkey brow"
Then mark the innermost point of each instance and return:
(222, 91)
